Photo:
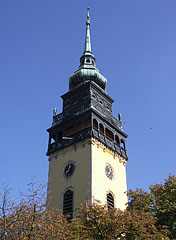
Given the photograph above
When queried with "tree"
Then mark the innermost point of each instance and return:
(160, 201)
(6, 211)
(94, 221)
(164, 207)
(31, 218)
(149, 215)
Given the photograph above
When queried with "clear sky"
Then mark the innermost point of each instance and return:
(134, 42)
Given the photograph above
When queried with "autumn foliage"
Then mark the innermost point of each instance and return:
(149, 215)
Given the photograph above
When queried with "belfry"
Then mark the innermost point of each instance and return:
(87, 150)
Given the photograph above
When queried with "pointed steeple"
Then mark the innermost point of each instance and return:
(87, 70)
(87, 47)
(87, 57)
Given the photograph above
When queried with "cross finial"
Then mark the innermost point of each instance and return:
(88, 17)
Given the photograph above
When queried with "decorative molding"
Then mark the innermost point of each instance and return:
(106, 149)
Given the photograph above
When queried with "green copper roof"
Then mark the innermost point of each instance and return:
(87, 70)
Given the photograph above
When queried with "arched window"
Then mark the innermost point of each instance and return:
(101, 128)
(95, 124)
(69, 131)
(117, 140)
(79, 126)
(68, 204)
(110, 201)
(109, 134)
(52, 140)
(122, 144)
(87, 123)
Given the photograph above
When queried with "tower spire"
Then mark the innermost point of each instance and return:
(87, 70)
(87, 47)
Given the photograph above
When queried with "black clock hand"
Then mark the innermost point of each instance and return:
(69, 167)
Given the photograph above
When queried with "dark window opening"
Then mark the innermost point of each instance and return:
(101, 128)
(59, 137)
(79, 126)
(110, 201)
(68, 205)
(117, 140)
(95, 124)
(109, 134)
(69, 131)
(87, 123)
(88, 60)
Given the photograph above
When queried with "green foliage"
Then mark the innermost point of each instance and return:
(160, 201)
(140, 200)
(164, 196)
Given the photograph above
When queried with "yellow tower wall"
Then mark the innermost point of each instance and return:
(80, 181)
(101, 184)
(89, 180)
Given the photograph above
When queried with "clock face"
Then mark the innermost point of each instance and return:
(109, 171)
(69, 169)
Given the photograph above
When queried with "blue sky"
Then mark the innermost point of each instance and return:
(134, 42)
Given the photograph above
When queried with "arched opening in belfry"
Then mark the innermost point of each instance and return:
(87, 123)
(95, 124)
(101, 128)
(52, 139)
(69, 131)
(79, 126)
(117, 140)
(122, 143)
(109, 134)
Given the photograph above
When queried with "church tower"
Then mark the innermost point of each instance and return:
(87, 150)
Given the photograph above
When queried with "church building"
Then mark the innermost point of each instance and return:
(87, 149)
